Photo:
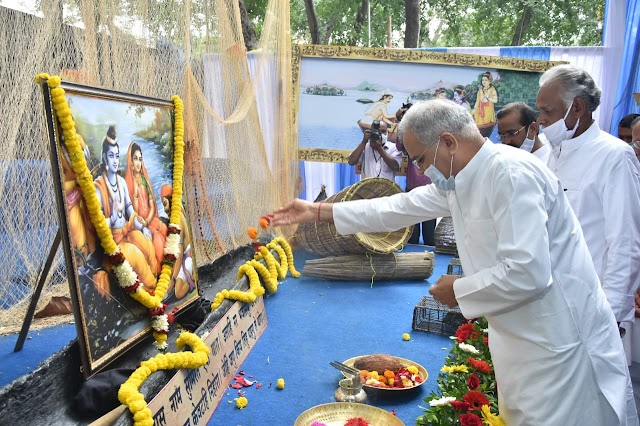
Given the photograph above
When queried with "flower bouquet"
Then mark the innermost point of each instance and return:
(467, 394)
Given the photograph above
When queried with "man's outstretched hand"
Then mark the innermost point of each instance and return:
(297, 211)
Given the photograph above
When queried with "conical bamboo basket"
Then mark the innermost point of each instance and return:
(323, 239)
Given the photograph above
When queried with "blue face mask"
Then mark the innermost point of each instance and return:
(436, 176)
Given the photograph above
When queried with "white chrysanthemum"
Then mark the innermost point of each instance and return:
(445, 400)
(161, 346)
(173, 245)
(174, 225)
(125, 274)
(160, 323)
(469, 348)
(485, 330)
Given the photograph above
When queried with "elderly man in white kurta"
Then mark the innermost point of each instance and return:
(553, 338)
(600, 175)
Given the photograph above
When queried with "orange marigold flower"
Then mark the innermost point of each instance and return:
(253, 233)
(389, 374)
(264, 222)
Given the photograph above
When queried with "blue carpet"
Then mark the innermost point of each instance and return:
(311, 322)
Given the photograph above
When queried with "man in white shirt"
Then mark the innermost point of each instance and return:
(379, 157)
(553, 338)
(517, 127)
(600, 176)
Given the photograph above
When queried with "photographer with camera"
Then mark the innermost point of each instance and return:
(379, 157)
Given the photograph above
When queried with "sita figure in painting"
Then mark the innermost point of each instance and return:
(144, 202)
(131, 236)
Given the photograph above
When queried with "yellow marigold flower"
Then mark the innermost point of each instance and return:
(491, 419)
(241, 402)
(406, 336)
(280, 383)
(412, 369)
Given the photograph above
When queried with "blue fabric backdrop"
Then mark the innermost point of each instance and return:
(629, 80)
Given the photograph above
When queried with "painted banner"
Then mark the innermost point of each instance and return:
(191, 397)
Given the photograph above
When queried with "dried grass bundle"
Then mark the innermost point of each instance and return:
(372, 267)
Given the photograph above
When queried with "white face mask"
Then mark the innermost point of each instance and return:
(558, 131)
(436, 176)
(527, 145)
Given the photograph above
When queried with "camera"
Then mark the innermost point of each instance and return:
(375, 131)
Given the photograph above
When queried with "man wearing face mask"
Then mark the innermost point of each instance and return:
(553, 338)
(517, 127)
(601, 178)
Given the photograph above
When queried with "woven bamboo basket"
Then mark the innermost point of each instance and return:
(445, 238)
(323, 239)
(367, 267)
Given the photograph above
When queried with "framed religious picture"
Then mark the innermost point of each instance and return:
(117, 162)
(341, 91)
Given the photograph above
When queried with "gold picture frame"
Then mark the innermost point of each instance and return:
(348, 72)
(126, 139)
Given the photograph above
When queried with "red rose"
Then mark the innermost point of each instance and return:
(473, 382)
(475, 400)
(470, 420)
(464, 332)
(460, 406)
(480, 365)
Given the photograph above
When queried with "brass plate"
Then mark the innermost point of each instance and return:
(337, 413)
(405, 362)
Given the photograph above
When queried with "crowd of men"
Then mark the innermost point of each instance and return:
(548, 232)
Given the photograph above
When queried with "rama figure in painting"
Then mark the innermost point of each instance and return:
(133, 238)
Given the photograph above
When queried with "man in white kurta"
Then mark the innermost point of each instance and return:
(553, 338)
(601, 178)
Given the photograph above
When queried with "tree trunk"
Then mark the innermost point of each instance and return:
(412, 23)
(361, 16)
(313, 21)
(248, 32)
(522, 26)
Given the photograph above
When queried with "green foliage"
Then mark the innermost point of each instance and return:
(456, 385)
(449, 22)
(494, 22)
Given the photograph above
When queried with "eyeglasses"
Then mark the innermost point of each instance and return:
(418, 161)
(635, 144)
(510, 134)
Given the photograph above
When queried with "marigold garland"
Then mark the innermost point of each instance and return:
(270, 274)
(129, 393)
(128, 280)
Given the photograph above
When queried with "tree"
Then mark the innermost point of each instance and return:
(412, 19)
(444, 22)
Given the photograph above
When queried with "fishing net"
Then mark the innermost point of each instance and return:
(241, 158)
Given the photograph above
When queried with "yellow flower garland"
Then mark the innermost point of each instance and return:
(85, 180)
(254, 270)
(129, 393)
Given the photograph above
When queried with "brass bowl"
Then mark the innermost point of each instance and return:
(377, 390)
(337, 413)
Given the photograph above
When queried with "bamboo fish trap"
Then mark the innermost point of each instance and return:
(372, 267)
(323, 239)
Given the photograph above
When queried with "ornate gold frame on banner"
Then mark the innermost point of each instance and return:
(108, 319)
(321, 129)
